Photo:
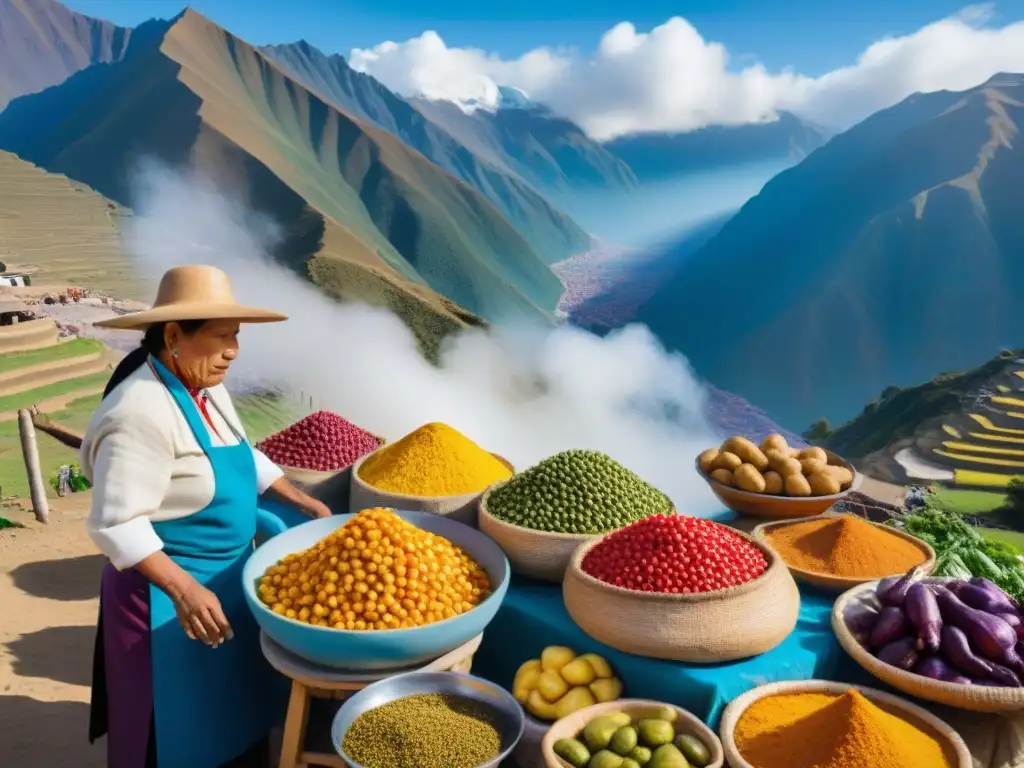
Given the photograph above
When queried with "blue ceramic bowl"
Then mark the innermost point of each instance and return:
(376, 649)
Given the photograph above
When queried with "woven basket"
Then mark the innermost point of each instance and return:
(779, 507)
(462, 508)
(837, 584)
(703, 628)
(537, 554)
(332, 488)
(955, 749)
(979, 698)
(569, 726)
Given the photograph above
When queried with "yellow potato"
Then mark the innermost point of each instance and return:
(599, 664)
(748, 478)
(797, 485)
(706, 459)
(783, 463)
(723, 476)
(552, 686)
(578, 672)
(774, 443)
(726, 460)
(822, 483)
(842, 474)
(554, 657)
(539, 708)
(773, 483)
(794, 453)
(812, 464)
(814, 452)
(606, 689)
(747, 451)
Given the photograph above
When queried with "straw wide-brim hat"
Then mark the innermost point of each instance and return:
(193, 293)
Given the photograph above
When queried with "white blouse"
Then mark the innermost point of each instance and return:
(146, 465)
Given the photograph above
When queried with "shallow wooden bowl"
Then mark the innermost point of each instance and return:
(956, 752)
(571, 725)
(837, 584)
(977, 698)
(779, 507)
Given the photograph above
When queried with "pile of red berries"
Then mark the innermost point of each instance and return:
(323, 441)
(674, 554)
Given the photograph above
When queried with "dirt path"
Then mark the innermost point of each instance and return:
(58, 403)
(890, 493)
(49, 577)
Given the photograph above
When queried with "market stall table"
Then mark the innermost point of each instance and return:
(310, 682)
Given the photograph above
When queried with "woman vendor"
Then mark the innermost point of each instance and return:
(179, 680)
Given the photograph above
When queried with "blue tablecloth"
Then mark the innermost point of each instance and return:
(533, 617)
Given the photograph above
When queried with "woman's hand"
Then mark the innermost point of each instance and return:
(201, 616)
(284, 491)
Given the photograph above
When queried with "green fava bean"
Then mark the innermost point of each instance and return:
(606, 759)
(655, 732)
(694, 750)
(573, 752)
(628, 762)
(667, 756)
(623, 740)
(642, 755)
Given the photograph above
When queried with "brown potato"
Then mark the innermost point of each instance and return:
(707, 458)
(747, 451)
(726, 460)
(842, 474)
(811, 464)
(814, 452)
(723, 476)
(773, 483)
(783, 463)
(823, 484)
(797, 485)
(774, 443)
(748, 478)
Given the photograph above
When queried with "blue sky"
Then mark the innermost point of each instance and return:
(812, 36)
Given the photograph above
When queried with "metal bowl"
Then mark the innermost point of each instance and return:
(513, 720)
(383, 649)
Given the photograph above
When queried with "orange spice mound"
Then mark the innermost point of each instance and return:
(844, 546)
(822, 730)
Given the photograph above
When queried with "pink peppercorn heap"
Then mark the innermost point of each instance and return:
(323, 442)
(674, 554)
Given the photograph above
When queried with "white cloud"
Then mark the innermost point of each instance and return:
(672, 79)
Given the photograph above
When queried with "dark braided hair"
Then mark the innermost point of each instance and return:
(152, 344)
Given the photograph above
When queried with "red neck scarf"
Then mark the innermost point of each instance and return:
(201, 399)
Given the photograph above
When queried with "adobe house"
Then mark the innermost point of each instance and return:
(13, 311)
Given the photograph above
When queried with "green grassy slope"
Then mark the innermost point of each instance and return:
(13, 361)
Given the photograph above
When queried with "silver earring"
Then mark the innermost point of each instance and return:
(174, 352)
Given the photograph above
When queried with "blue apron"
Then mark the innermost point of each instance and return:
(211, 704)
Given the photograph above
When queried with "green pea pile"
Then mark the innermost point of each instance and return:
(426, 729)
(576, 491)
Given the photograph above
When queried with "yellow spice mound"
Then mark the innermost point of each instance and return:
(817, 730)
(377, 571)
(844, 546)
(435, 460)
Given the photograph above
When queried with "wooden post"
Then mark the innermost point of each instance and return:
(30, 451)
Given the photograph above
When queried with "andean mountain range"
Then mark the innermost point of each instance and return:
(808, 301)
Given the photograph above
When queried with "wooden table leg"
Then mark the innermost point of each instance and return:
(293, 740)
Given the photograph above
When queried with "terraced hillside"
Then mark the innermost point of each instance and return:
(965, 428)
(190, 93)
(66, 230)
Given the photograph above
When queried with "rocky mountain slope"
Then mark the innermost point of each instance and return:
(360, 211)
(889, 253)
(550, 231)
(43, 42)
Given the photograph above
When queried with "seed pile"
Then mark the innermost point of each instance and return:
(819, 730)
(677, 555)
(425, 730)
(377, 571)
(844, 546)
(576, 492)
(323, 441)
(433, 461)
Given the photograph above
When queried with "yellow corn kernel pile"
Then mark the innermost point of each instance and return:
(377, 571)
